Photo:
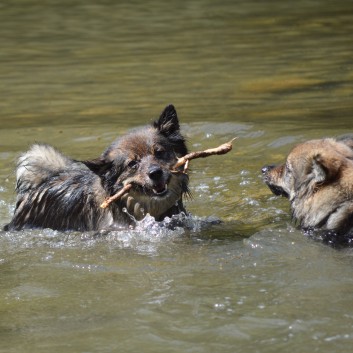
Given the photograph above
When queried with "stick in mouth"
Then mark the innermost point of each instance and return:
(116, 196)
(182, 161)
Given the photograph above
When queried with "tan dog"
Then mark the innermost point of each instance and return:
(317, 178)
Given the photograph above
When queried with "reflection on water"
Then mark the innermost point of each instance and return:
(91, 61)
(271, 73)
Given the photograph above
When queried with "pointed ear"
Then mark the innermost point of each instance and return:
(348, 140)
(325, 168)
(98, 166)
(168, 122)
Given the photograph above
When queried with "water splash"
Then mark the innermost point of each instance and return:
(145, 236)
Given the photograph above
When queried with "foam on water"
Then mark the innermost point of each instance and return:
(144, 236)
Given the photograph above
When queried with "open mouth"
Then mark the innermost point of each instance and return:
(277, 190)
(160, 189)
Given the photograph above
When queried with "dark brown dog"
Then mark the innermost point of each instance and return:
(54, 191)
(317, 178)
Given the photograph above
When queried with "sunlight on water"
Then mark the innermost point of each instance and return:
(234, 275)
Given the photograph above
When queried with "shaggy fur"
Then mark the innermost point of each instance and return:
(54, 191)
(317, 178)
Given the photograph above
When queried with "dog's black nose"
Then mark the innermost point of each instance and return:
(155, 172)
(267, 168)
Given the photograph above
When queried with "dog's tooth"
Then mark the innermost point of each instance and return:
(160, 192)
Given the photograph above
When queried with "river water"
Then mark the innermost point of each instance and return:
(77, 74)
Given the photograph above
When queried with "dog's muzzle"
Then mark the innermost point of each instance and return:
(276, 189)
(160, 186)
(265, 170)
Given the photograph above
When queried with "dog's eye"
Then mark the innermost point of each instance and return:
(132, 164)
(288, 168)
(160, 154)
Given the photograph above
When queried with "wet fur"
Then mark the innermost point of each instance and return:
(317, 178)
(54, 191)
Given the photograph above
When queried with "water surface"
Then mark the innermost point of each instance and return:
(272, 73)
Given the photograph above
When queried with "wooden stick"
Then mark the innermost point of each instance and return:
(116, 196)
(222, 149)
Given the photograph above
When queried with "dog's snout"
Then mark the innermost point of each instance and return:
(267, 168)
(155, 172)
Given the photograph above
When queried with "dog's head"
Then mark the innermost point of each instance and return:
(317, 178)
(144, 158)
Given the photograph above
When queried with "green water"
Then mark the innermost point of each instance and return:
(77, 74)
